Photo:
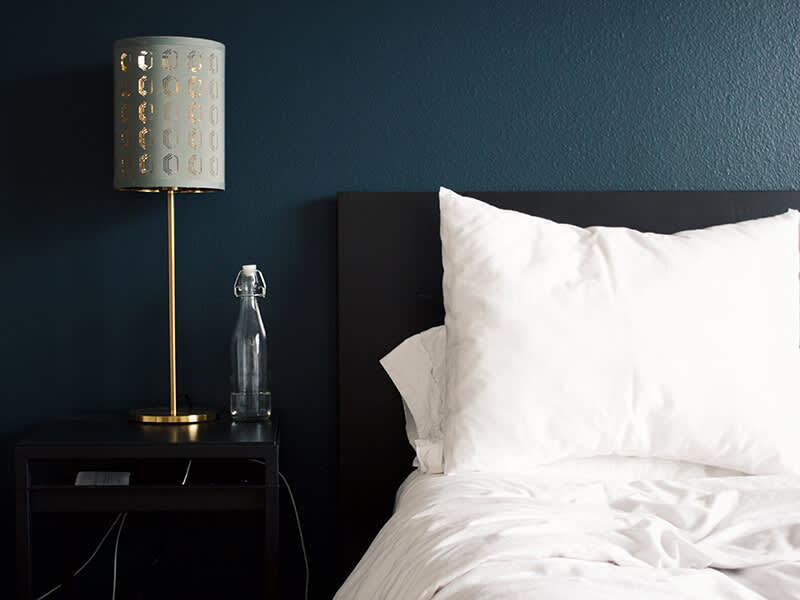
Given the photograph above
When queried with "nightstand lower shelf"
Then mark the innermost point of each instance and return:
(120, 499)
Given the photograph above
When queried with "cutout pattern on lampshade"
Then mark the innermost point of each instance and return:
(169, 113)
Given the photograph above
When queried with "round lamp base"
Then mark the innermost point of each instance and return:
(164, 415)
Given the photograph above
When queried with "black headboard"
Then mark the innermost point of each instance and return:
(390, 274)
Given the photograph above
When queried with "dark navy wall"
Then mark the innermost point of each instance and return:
(328, 96)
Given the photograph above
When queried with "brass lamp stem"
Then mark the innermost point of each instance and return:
(162, 414)
(173, 395)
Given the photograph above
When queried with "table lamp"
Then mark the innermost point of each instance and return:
(169, 135)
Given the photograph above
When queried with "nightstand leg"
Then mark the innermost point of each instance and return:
(23, 526)
(271, 540)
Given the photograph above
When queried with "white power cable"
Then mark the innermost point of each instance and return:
(186, 475)
(116, 549)
(88, 560)
(299, 528)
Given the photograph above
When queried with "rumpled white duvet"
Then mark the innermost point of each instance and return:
(484, 536)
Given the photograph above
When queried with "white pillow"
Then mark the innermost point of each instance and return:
(565, 342)
(416, 366)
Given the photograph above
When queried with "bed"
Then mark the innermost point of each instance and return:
(566, 516)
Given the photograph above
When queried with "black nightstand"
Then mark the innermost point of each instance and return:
(47, 461)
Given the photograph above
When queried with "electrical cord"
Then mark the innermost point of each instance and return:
(299, 528)
(116, 549)
(186, 475)
(188, 400)
(88, 560)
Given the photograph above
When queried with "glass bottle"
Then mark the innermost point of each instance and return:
(251, 399)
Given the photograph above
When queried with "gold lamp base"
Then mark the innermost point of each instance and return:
(166, 416)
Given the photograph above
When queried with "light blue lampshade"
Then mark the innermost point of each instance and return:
(169, 113)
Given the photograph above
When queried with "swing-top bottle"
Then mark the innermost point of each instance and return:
(251, 399)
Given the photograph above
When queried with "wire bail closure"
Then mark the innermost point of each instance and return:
(259, 289)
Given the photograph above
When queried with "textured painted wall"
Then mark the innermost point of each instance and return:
(327, 96)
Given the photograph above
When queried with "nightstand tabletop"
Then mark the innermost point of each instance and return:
(114, 434)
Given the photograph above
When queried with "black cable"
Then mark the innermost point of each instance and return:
(188, 400)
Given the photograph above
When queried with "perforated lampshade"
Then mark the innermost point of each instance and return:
(169, 114)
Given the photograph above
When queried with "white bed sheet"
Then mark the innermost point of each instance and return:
(486, 536)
